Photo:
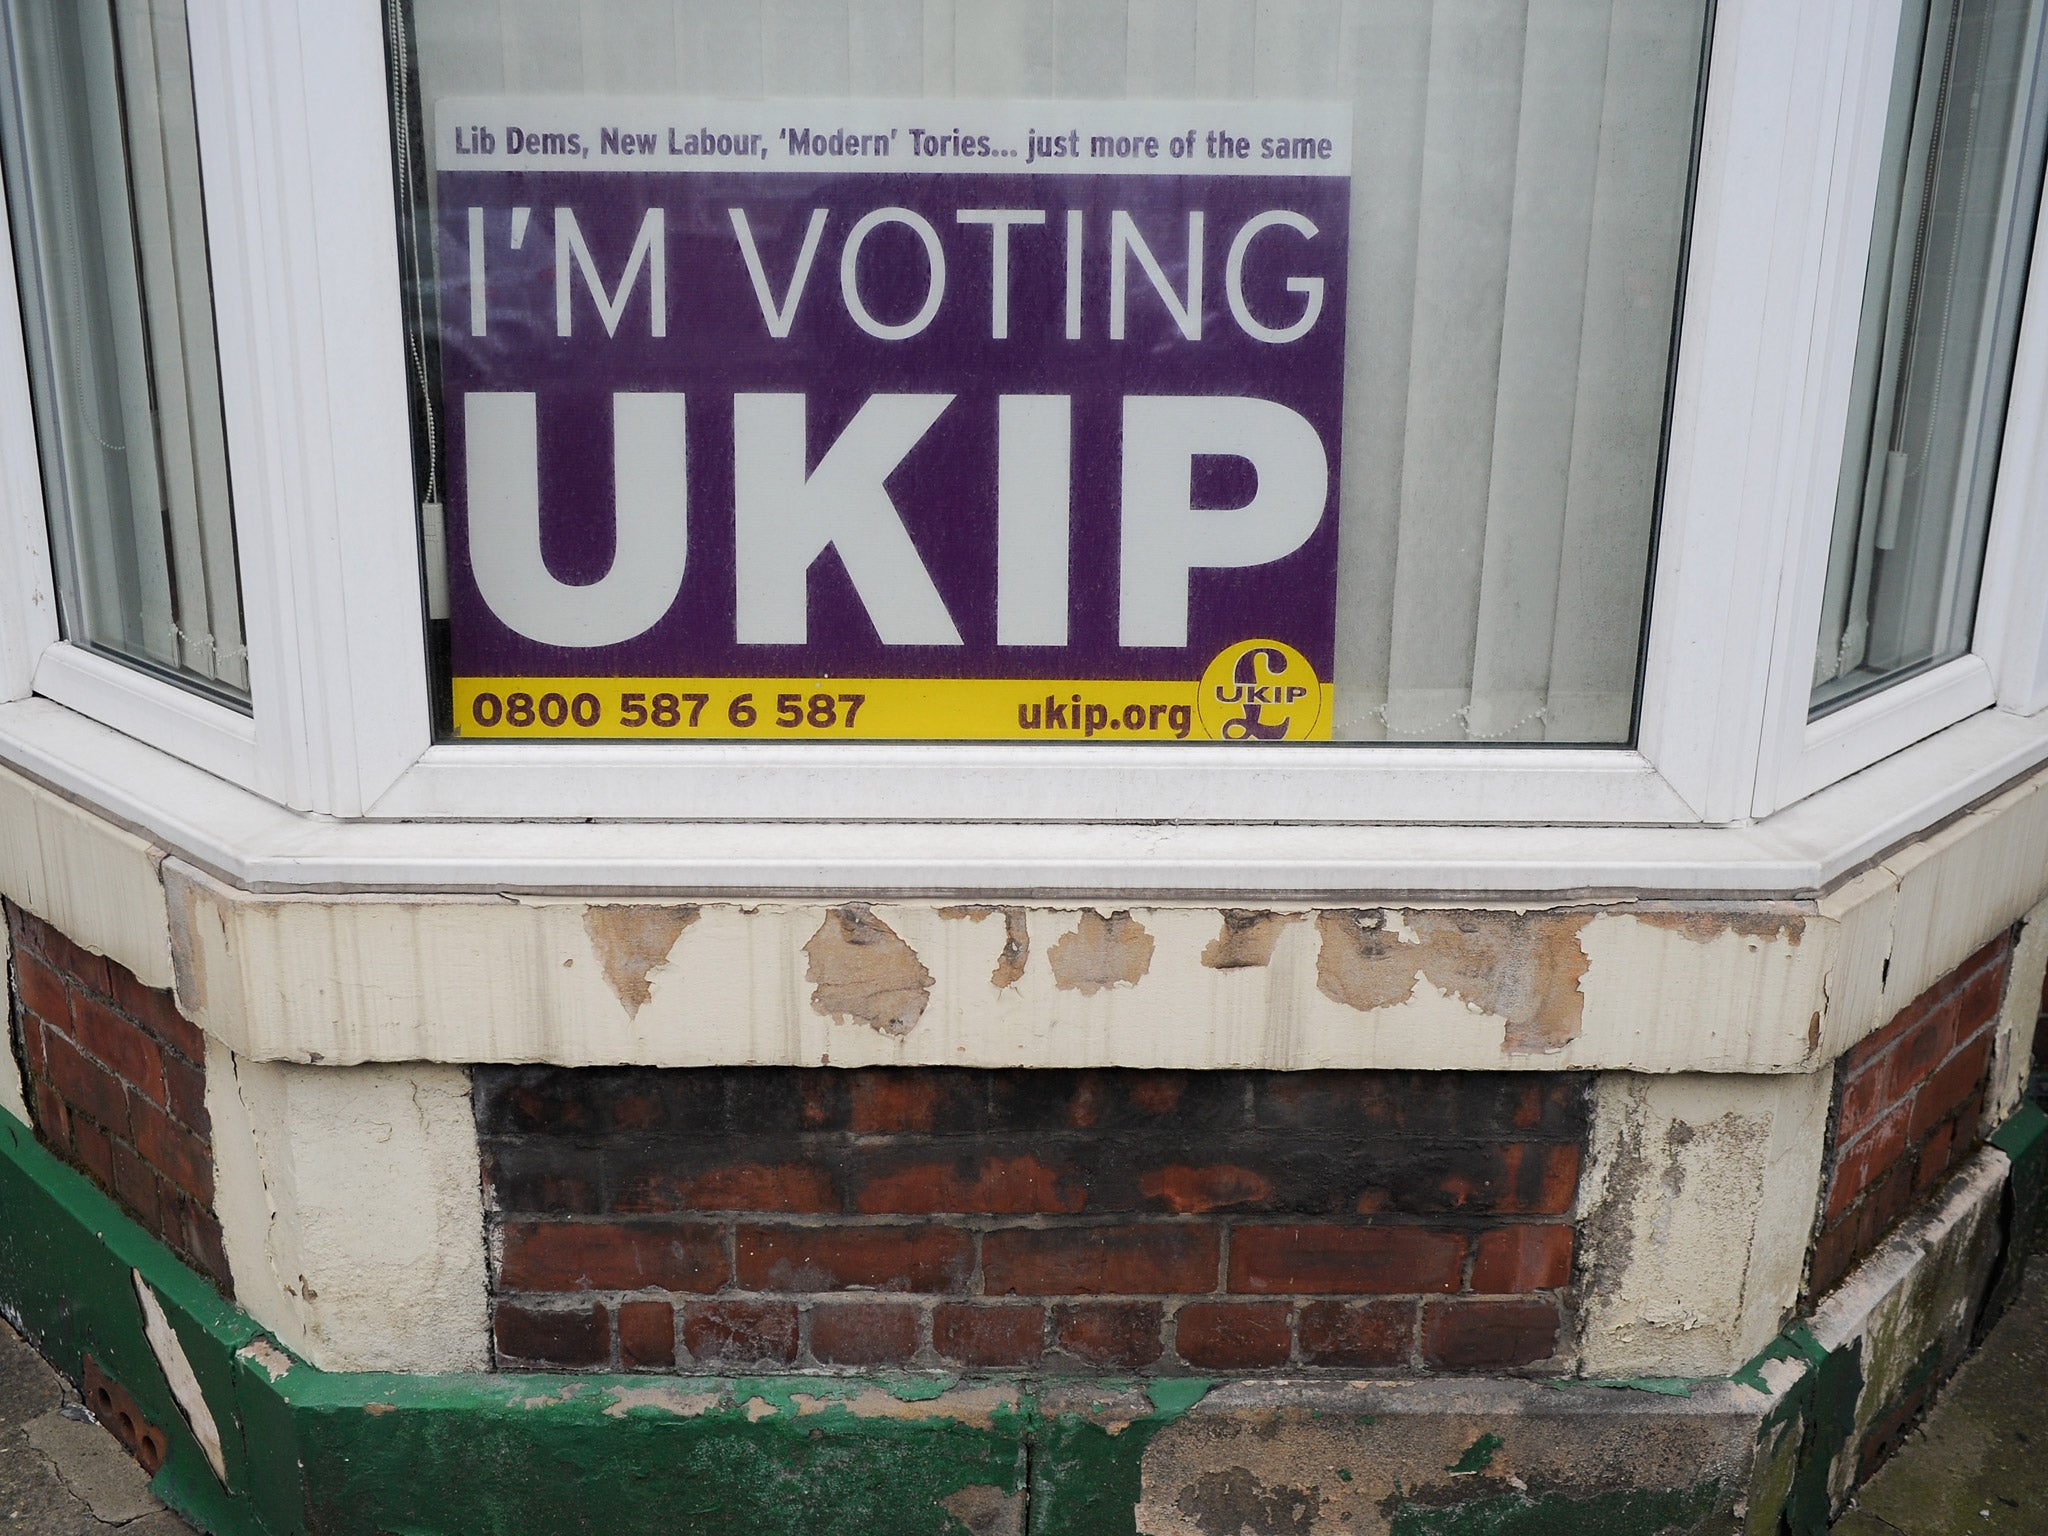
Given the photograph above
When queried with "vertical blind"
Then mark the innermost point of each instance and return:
(1518, 212)
(102, 165)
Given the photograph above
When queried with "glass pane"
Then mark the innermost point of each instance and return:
(1506, 254)
(102, 168)
(1955, 222)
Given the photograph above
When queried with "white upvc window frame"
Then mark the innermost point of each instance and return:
(295, 144)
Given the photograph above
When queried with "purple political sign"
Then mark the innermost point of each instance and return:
(964, 420)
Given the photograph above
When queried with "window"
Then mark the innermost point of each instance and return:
(1957, 208)
(1500, 330)
(102, 172)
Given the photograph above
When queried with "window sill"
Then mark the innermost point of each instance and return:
(261, 846)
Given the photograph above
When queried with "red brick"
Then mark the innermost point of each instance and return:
(86, 1085)
(612, 1256)
(799, 1188)
(864, 1333)
(204, 1245)
(1357, 1334)
(118, 1045)
(1189, 1191)
(647, 1335)
(969, 1184)
(564, 1336)
(1307, 1260)
(53, 1117)
(1093, 1261)
(841, 1258)
(1979, 1003)
(157, 1011)
(1936, 1152)
(1488, 1335)
(185, 1096)
(1832, 1257)
(81, 966)
(988, 1335)
(1915, 1057)
(174, 1151)
(95, 1153)
(1860, 1165)
(1233, 1335)
(1868, 1054)
(32, 1046)
(1946, 1091)
(135, 1182)
(742, 1334)
(1863, 1102)
(42, 990)
(1522, 1259)
(1112, 1335)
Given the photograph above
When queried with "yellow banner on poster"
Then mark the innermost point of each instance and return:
(887, 709)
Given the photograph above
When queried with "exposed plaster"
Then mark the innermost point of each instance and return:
(13, 1099)
(632, 942)
(2018, 1017)
(863, 972)
(1247, 938)
(170, 1358)
(1100, 953)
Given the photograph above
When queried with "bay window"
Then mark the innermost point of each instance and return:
(1624, 416)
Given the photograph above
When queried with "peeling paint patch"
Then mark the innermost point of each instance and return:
(170, 1358)
(976, 1406)
(1234, 1502)
(378, 1410)
(986, 1510)
(1247, 939)
(759, 1408)
(1524, 967)
(1100, 953)
(632, 943)
(1016, 940)
(1703, 925)
(267, 1357)
(549, 1399)
(686, 1405)
(862, 972)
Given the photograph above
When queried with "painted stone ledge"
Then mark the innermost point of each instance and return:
(1640, 986)
(260, 1444)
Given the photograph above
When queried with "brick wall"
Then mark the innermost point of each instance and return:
(1130, 1221)
(115, 1079)
(1907, 1102)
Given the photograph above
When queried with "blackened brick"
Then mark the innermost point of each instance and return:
(1232, 1335)
(935, 1178)
(726, 1175)
(928, 1100)
(1488, 1335)
(135, 1183)
(203, 1243)
(119, 1045)
(542, 1177)
(864, 1333)
(647, 1335)
(574, 1337)
(1188, 1189)
(988, 1336)
(1522, 1259)
(1307, 1260)
(83, 969)
(612, 1256)
(740, 1334)
(1116, 1336)
(1361, 1335)
(1484, 1106)
(1048, 1100)
(923, 1259)
(53, 1117)
(1153, 1259)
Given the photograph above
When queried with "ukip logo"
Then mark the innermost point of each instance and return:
(1260, 690)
